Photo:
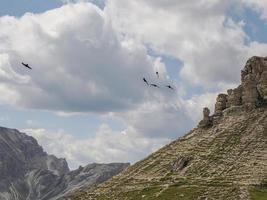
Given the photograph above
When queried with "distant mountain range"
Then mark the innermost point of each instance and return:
(29, 173)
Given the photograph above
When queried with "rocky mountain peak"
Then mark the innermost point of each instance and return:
(29, 173)
(251, 94)
(23, 153)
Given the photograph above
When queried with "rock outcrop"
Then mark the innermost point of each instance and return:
(221, 104)
(234, 97)
(224, 158)
(29, 173)
(252, 93)
(207, 119)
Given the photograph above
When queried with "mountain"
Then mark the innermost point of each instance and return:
(29, 173)
(223, 158)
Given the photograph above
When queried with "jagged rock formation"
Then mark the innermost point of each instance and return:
(28, 173)
(207, 119)
(234, 97)
(225, 158)
(252, 92)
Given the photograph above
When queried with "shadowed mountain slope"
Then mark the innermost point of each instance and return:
(29, 173)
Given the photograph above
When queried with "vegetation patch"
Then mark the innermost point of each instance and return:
(259, 192)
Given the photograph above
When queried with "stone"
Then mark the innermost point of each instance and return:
(221, 103)
(262, 86)
(254, 82)
(234, 97)
(181, 163)
(207, 121)
(250, 93)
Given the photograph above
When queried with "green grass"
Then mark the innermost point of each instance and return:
(259, 194)
(177, 191)
(160, 193)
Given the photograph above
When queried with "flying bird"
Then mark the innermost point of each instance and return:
(157, 74)
(26, 65)
(154, 85)
(145, 81)
(170, 87)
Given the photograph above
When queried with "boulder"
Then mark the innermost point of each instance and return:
(181, 163)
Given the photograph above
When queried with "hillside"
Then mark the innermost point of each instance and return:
(29, 173)
(224, 158)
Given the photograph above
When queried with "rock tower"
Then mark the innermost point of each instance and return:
(252, 92)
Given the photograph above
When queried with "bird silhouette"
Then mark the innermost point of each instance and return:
(145, 81)
(157, 74)
(170, 87)
(154, 85)
(26, 65)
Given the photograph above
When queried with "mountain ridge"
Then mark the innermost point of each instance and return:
(224, 158)
(27, 172)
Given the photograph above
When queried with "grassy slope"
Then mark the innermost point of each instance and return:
(223, 162)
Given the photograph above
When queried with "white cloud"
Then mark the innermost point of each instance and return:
(200, 34)
(79, 65)
(146, 129)
(158, 119)
(193, 106)
(86, 59)
(100, 3)
(9, 96)
(32, 123)
(106, 146)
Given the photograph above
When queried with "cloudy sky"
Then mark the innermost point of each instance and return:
(85, 100)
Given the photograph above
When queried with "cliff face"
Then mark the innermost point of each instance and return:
(224, 158)
(28, 173)
(251, 94)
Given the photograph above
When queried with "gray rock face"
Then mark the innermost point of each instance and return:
(220, 104)
(234, 97)
(207, 119)
(251, 94)
(29, 173)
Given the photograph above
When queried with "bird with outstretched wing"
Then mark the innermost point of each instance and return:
(144, 79)
(154, 85)
(26, 65)
(170, 87)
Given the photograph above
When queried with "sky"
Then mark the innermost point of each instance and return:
(85, 99)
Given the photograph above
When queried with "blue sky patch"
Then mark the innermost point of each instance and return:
(255, 27)
(20, 7)
(86, 124)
